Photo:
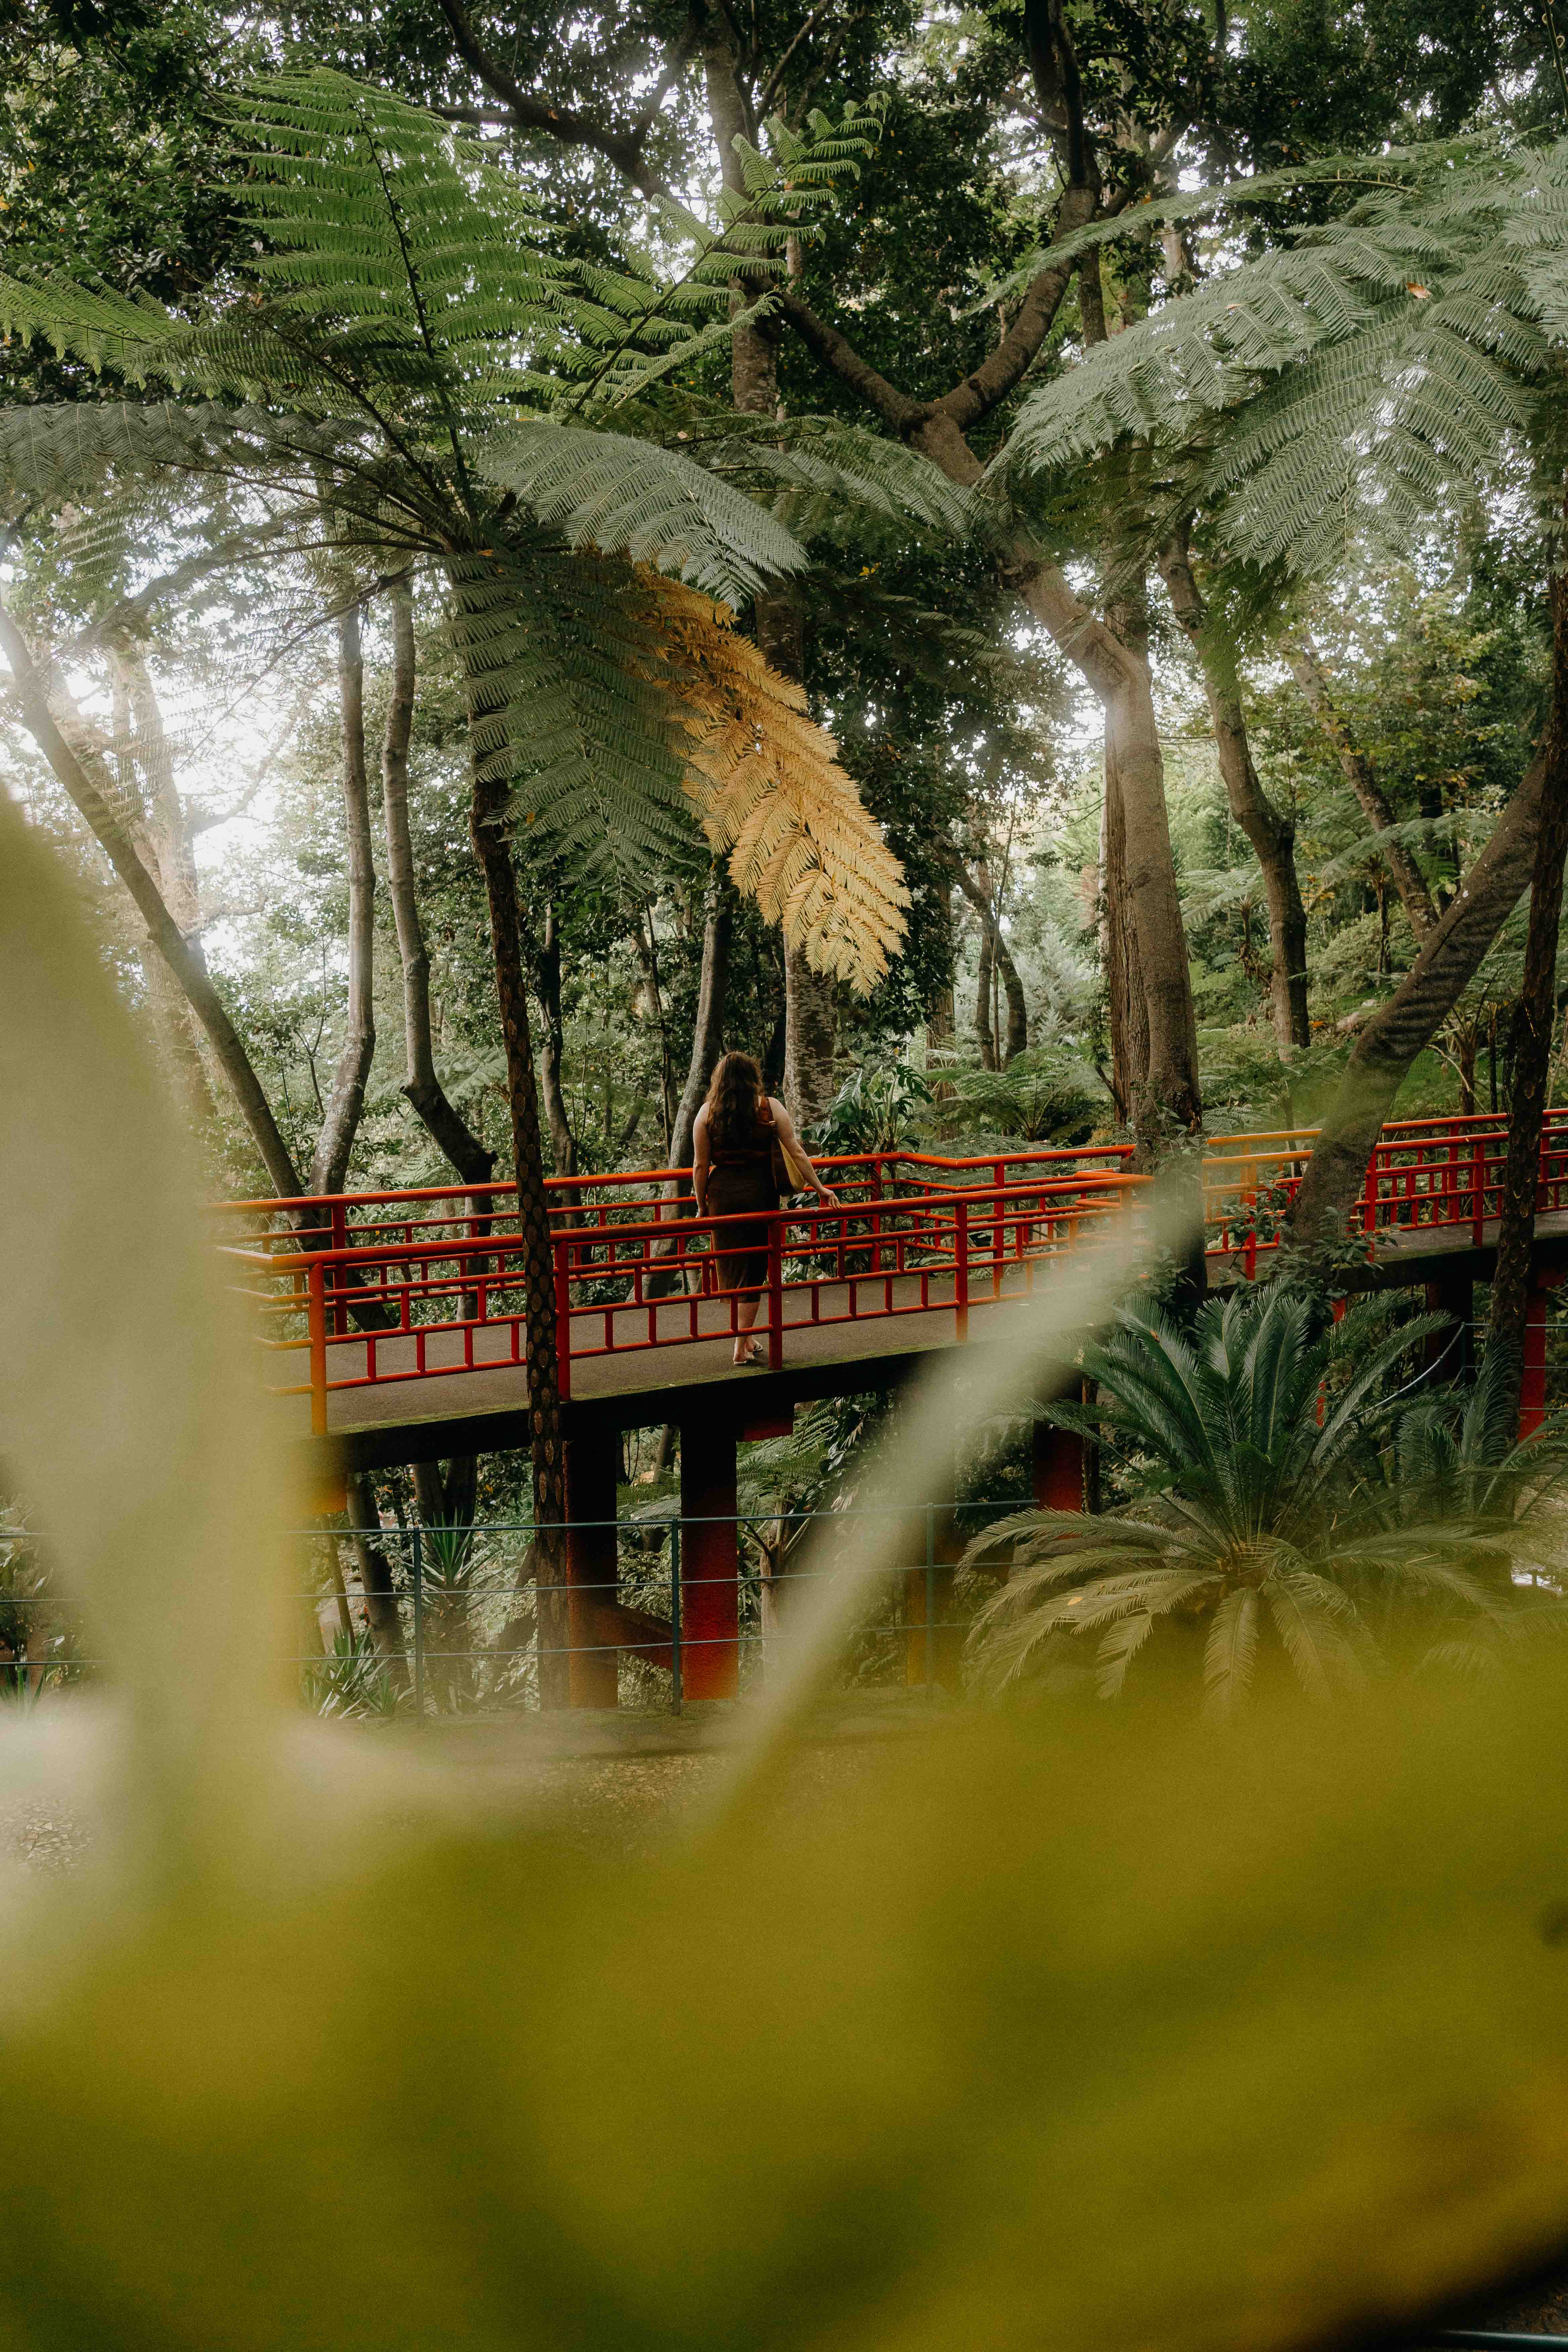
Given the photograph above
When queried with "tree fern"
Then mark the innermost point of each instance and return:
(392, 386)
(1377, 370)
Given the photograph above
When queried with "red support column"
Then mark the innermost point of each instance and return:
(593, 1460)
(1057, 1468)
(709, 1561)
(1533, 1387)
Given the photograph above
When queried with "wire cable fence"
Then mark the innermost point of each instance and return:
(403, 1620)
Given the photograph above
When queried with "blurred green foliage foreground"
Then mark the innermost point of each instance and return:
(1043, 2031)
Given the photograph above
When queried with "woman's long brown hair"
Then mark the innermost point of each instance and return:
(732, 1102)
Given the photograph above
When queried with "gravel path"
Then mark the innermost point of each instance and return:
(40, 1836)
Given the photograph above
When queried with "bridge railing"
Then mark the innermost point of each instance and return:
(366, 1290)
(445, 1302)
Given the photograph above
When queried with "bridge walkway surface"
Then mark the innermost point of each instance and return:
(634, 1384)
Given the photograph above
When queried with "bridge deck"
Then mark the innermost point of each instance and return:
(637, 1384)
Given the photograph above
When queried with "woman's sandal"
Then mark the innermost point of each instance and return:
(754, 1361)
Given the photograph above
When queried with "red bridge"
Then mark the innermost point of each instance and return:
(392, 1323)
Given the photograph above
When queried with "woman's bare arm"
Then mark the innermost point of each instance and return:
(701, 1160)
(797, 1148)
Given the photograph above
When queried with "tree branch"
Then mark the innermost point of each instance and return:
(996, 377)
(837, 353)
(621, 148)
(1409, 878)
(775, 82)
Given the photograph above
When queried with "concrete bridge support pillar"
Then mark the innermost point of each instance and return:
(593, 1460)
(709, 1560)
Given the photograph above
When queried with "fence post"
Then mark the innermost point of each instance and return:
(776, 1291)
(316, 1320)
(559, 1246)
(960, 1279)
(418, 1627)
(1478, 1189)
(676, 1693)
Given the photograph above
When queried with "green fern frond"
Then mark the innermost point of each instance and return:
(384, 383)
(1379, 369)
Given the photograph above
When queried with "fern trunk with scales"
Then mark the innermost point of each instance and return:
(811, 1025)
(1534, 1020)
(491, 846)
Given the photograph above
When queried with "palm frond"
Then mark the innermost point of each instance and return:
(1230, 1653)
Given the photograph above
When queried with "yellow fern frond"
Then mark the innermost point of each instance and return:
(770, 791)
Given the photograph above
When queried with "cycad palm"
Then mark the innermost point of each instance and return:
(1258, 1526)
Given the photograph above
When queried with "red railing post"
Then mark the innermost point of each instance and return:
(559, 1246)
(1477, 1188)
(1249, 1202)
(340, 1228)
(316, 1320)
(776, 1291)
(961, 1267)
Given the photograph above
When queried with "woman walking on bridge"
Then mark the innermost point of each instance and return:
(745, 1151)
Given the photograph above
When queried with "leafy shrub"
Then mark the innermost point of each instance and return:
(881, 1110)
(1049, 1094)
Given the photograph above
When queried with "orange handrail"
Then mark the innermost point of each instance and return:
(440, 1292)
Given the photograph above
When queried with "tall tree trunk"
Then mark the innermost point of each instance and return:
(162, 840)
(1404, 1027)
(1165, 1093)
(984, 1033)
(376, 1581)
(707, 1033)
(1127, 1013)
(940, 1012)
(648, 957)
(1534, 1019)
(547, 963)
(1271, 835)
(183, 956)
(494, 852)
(1407, 877)
(996, 964)
(1164, 1103)
(1017, 1038)
(340, 1124)
(443, 1122)
(811, 1038)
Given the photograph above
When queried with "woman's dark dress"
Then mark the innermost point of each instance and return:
(741, 1176)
